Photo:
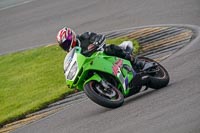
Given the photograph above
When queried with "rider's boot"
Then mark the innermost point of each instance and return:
(138, 65)
(145, 80)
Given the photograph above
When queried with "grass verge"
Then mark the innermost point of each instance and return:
(32, 79)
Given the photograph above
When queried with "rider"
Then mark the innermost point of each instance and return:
(67, 39)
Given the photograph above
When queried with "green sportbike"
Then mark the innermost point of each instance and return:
(107, 80)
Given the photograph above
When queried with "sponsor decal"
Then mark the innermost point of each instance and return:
(116, 67)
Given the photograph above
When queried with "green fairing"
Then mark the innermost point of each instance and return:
(98, 63)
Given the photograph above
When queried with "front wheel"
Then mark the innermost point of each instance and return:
(109, 97)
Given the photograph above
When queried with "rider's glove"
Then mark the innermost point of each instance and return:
(99, 39)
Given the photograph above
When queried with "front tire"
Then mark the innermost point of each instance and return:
(109, 97)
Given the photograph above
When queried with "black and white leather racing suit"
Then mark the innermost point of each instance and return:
(124, 50)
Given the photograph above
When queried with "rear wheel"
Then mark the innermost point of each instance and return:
(109, 97)
(158, 79)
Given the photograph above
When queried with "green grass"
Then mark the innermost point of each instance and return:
(32, 79)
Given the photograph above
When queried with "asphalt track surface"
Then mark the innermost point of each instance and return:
(174, 109)
(30, 23)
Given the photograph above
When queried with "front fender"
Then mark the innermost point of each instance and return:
(95, 77)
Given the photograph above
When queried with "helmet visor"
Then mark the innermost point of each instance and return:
(67, 43)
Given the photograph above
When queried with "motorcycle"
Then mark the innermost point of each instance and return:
(107, 80)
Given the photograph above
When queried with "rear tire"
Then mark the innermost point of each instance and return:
(159, 82)
(95, 92)
(160, 79)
